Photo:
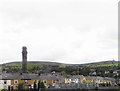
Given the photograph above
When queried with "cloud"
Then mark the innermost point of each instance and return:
(68, 32)
(56, 44)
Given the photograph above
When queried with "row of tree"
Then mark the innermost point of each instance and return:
(66, 70)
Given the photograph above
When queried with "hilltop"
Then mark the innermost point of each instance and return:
(47, 63)
(102, 63)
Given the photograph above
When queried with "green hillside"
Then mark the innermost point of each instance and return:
(102, 65)
(64, 69)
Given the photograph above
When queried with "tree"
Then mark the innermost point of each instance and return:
(42, 85)
(35, 85)
(20, 86)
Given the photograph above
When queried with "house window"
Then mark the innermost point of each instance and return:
(53, 81)
(5, 81)
(15, 87)
(45, 81)
(26, 81)
(15, 81)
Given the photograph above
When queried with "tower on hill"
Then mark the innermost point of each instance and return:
(24, 59)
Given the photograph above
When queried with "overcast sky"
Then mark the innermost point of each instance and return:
(66, 31)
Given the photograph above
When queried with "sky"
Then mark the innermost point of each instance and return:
(65, 31)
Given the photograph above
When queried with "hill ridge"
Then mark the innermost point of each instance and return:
(58, 63)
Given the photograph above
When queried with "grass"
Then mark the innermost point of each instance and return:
(97, 65)
(18, 66)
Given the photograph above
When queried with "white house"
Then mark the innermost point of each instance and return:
(4, 84)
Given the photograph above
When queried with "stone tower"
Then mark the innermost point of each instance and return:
(24, 59)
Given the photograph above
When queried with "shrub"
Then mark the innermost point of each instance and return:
(3, 90)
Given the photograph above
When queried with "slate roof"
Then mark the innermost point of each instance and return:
(23, 76)
(28, 76)
(94, 78)
(100, 78)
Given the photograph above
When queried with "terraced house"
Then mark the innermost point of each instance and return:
(5, 84)
(27, 80)
(24, 84)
